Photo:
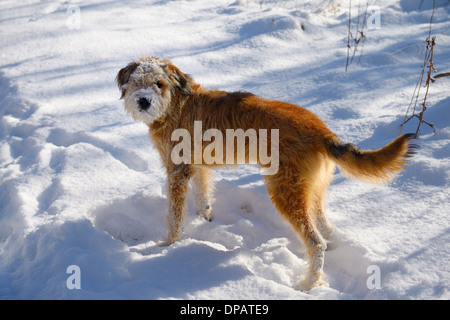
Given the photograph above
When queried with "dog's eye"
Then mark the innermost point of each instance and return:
(159, 84)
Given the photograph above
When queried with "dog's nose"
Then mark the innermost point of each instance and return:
(144, 104)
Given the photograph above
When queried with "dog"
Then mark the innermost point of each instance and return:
(157, 93)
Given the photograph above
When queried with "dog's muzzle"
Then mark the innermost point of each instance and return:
(144, 104)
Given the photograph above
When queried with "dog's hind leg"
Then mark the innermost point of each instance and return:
(321, 183)
(325, 227)
(202, 190)
(293, 201)
(177, 189)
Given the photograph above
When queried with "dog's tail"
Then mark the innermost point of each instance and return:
(372, 165)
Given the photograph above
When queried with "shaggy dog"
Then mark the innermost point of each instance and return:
(159, 94)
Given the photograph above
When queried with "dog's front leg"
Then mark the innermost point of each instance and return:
(177, 188)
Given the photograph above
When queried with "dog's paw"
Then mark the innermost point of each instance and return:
(312, 281)
(163, 243)
(306, 285)
(205, 212)
(169, 241)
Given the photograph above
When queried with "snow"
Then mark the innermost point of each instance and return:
(81, 183)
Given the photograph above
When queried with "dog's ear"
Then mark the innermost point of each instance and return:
(124, 76)
(181, 81)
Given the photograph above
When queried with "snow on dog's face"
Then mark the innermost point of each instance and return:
(148, 86)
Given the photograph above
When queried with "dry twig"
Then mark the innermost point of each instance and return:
(430, 43)
(440, 75)
(360, 36)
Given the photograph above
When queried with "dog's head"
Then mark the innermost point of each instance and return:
(149, 85)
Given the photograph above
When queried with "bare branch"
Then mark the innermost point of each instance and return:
(427, 64)
(439, 75)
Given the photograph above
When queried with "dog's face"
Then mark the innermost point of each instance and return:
(149, 86)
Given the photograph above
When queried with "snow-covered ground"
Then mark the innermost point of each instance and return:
(81, 184)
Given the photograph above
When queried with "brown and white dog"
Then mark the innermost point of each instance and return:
(159, 94)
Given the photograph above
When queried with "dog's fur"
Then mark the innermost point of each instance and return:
(308, 150)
